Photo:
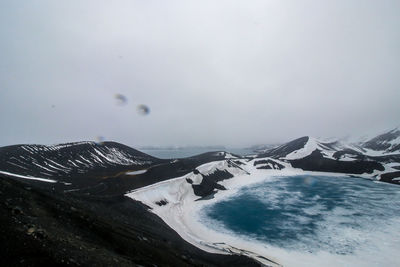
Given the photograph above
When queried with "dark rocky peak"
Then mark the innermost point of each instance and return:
(285, 149)
(388, 142)
(71, 159)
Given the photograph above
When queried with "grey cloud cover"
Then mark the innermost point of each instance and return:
(234, 73)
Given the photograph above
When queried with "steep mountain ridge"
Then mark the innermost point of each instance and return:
(70, 159)
(388, 142)
(378, 156)
(304, 146)
(285, 149)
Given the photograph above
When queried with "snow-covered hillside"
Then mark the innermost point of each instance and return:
(72, 160)
(383, 144)
(305, 146)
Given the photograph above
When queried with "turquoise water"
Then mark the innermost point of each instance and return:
(311, 213)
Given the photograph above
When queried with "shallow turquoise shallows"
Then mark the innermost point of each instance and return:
(310, 213)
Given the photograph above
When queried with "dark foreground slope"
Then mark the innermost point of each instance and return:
(44, 228)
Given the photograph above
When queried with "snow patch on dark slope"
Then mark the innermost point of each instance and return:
(385, 143)
(285, 149)
(268, 164)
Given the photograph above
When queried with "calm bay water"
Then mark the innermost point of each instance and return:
(311, 214)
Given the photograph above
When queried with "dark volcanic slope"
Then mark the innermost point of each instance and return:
(41, 228)
(72, 159)
(73, 165)
(316, 162)
(385, 142)
(285, 149)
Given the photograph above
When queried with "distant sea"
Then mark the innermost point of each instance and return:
(188, 152)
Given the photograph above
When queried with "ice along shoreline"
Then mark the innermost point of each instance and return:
(174, 201)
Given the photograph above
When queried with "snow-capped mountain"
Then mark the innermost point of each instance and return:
(81, 164)
(377, 156)
(305, 146)
(385, 143)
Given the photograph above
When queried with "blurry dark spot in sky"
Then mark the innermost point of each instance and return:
(143, 110)
(53, 106)
(121, 99)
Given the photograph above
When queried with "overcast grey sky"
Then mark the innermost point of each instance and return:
(232, 73)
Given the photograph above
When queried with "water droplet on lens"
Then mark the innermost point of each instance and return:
(121, 99)
(143, 110)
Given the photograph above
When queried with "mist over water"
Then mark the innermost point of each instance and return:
(314, 214)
